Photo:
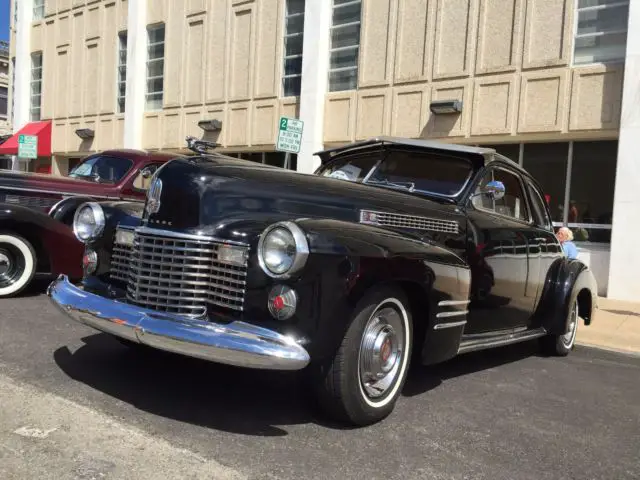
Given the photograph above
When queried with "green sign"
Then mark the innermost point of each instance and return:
(28, 146)
(289, 135)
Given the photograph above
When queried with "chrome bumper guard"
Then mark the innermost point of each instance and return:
(237, 343)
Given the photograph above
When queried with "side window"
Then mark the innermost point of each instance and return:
(540, 214)
(513, 204)
(143, 179)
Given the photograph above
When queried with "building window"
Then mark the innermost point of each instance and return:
(38, 10)
(345, 45)
(601, 31)
(547, 163)
(122, 70)
(293, 39)
(4, 102)
(155, 67)
(13, 87)
(36, 86)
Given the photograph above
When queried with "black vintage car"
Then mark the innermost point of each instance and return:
(395, 250)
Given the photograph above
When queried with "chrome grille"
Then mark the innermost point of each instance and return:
(399, 220)
(43, 203)
(178, 274)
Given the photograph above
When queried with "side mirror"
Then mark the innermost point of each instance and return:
(494, 190)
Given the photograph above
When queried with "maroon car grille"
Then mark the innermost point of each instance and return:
(178, 274)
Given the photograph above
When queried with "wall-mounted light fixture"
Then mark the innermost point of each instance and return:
(85, 133)
(212, 125)
(445, 106)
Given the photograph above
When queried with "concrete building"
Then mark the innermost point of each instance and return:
(553, 84)
(5, 124)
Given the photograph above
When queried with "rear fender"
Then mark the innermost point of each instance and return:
(567, 281)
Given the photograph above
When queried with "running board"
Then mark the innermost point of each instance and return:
(471, 345)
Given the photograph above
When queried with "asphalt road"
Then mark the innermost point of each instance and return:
(500, 414)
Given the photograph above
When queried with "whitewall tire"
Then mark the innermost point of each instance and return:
(363, 381)
(17, 264)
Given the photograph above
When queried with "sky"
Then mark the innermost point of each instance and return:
(4, 19)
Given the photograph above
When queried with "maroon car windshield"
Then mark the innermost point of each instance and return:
(102, 169)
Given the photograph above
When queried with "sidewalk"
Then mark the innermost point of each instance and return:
(616, 327)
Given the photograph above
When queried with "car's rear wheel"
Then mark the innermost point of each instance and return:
(561, 345)
(17, 264)
(363, 381)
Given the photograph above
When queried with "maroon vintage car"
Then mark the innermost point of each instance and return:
(36, 212)
(112, 174)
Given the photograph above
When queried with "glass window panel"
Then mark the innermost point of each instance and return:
(547, 163)
(293, 45)
(156, 34)
(36, 88)
(293, 66)
(154, 101)
(344, 58)
(541, 217)
(600, 49)
(346, 14)
(155, 68)
(595, 3)
(343, 80)
(156, 51)
(603, 20)
(122, 89)
(155, 85)
(593, 174)
(295, 24)
(36, 61)
(3, 106)
(347, 36)
(292, 86)
(295, 6)
(509, 150)
(35, 114)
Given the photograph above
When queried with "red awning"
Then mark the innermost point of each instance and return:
(40, 129)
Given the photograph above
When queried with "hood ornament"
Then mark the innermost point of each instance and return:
(153, 197)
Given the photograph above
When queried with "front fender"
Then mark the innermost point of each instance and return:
(429, 273)
(56, 246)
(567, 281)
(65, 209)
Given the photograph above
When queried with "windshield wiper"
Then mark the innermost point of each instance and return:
(409, 186)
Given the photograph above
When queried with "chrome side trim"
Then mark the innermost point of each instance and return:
(413, 222)
(446, 303)
(189, 236)
(452, 314)
(441, 326)
(56, 192)
(471, 345)
(236, 343)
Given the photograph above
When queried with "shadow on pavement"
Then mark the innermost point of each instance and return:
(221, 397)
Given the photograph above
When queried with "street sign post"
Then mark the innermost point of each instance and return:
(289, 135)
(28, 146)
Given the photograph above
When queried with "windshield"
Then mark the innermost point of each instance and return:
(102, 169)
(428, 173)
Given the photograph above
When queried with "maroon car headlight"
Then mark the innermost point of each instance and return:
(88, 222)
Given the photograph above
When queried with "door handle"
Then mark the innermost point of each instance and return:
(541, 239)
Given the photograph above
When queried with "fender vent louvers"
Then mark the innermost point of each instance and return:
(398, 220)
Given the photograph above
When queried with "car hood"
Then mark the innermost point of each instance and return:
(224, 194)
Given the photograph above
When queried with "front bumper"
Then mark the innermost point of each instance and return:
(236, 343)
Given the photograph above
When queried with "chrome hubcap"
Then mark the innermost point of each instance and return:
(5, 263)
(569, 337)
(381, 351)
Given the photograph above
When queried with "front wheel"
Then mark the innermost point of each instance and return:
(17, 264)
(361, 384)
(561, 345)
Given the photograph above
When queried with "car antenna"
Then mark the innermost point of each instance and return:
(200, 146)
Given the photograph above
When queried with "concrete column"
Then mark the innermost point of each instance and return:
(136, 73)
(315, 71)
(624, 281)
(22, 95)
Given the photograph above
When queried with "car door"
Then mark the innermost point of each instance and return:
(543, 241)
(497, 250)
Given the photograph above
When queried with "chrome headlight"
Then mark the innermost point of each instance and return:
(282, 250)
(88, 222)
